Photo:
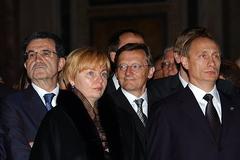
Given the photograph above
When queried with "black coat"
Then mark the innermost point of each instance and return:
(68, 133)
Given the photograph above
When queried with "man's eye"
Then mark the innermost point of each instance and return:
(203, 56)
(31, 54)
(46, 53)
(123, 67)
(136, 66)
(217, 56)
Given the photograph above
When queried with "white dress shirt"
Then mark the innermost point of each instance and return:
(184, 83)
(41, 92)
(115, 81)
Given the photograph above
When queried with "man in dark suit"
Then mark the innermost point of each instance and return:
(199, 121)
(166, 86)
(22, 112)
(118, 40)
(134, 68)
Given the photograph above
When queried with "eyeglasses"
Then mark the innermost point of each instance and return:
(134, 67)
(91, 74)
(44, 53)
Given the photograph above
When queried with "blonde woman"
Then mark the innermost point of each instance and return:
(83, 125)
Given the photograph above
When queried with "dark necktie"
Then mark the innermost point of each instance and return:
(140, 113)
(48, 100)
(212, 116)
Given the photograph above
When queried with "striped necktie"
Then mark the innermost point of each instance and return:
(140, 113)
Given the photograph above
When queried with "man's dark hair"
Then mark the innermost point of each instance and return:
(113, 43)
(135, 46)
(42, 35)
(184, 40)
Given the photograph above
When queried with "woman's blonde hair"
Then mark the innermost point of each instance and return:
(82, 59)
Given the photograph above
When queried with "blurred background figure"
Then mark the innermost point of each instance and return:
(83, 126)
(158, 73)
(23, 81)
(238, 62)
(165, 66)
(229, 71)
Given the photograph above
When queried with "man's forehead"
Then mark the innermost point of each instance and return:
(41, 42)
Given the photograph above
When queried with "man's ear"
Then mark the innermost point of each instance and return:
(112, 56)
(151, 72)
(184, 62)
(61, 64)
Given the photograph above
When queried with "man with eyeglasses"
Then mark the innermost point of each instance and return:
(118, 40)
(22, 112)
(133, 69)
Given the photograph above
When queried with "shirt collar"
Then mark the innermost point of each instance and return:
(183, 82)
(41, 92)
(115, 81)
(199, 93)
(132, 97)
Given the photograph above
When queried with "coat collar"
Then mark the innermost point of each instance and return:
(73, 106)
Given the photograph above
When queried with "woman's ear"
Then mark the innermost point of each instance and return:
(184, 62)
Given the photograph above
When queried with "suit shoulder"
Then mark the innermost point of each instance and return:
(169, 101)
(16, 97)
(163, 81)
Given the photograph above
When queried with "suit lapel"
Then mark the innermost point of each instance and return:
(193, 110)
(33, 106)
(123, 104)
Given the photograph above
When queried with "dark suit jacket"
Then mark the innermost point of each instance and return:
(4, 91)
(21, 114)
(164, 87)
(110, 86)
(180, 131)
(133, 131)
(68, 133)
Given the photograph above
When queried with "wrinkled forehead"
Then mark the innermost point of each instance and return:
(137, 54)
(44, 43)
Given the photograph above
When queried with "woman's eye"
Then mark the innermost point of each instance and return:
(90, 74)
(104, 75)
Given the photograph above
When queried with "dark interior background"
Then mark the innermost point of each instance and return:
(92, 22)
